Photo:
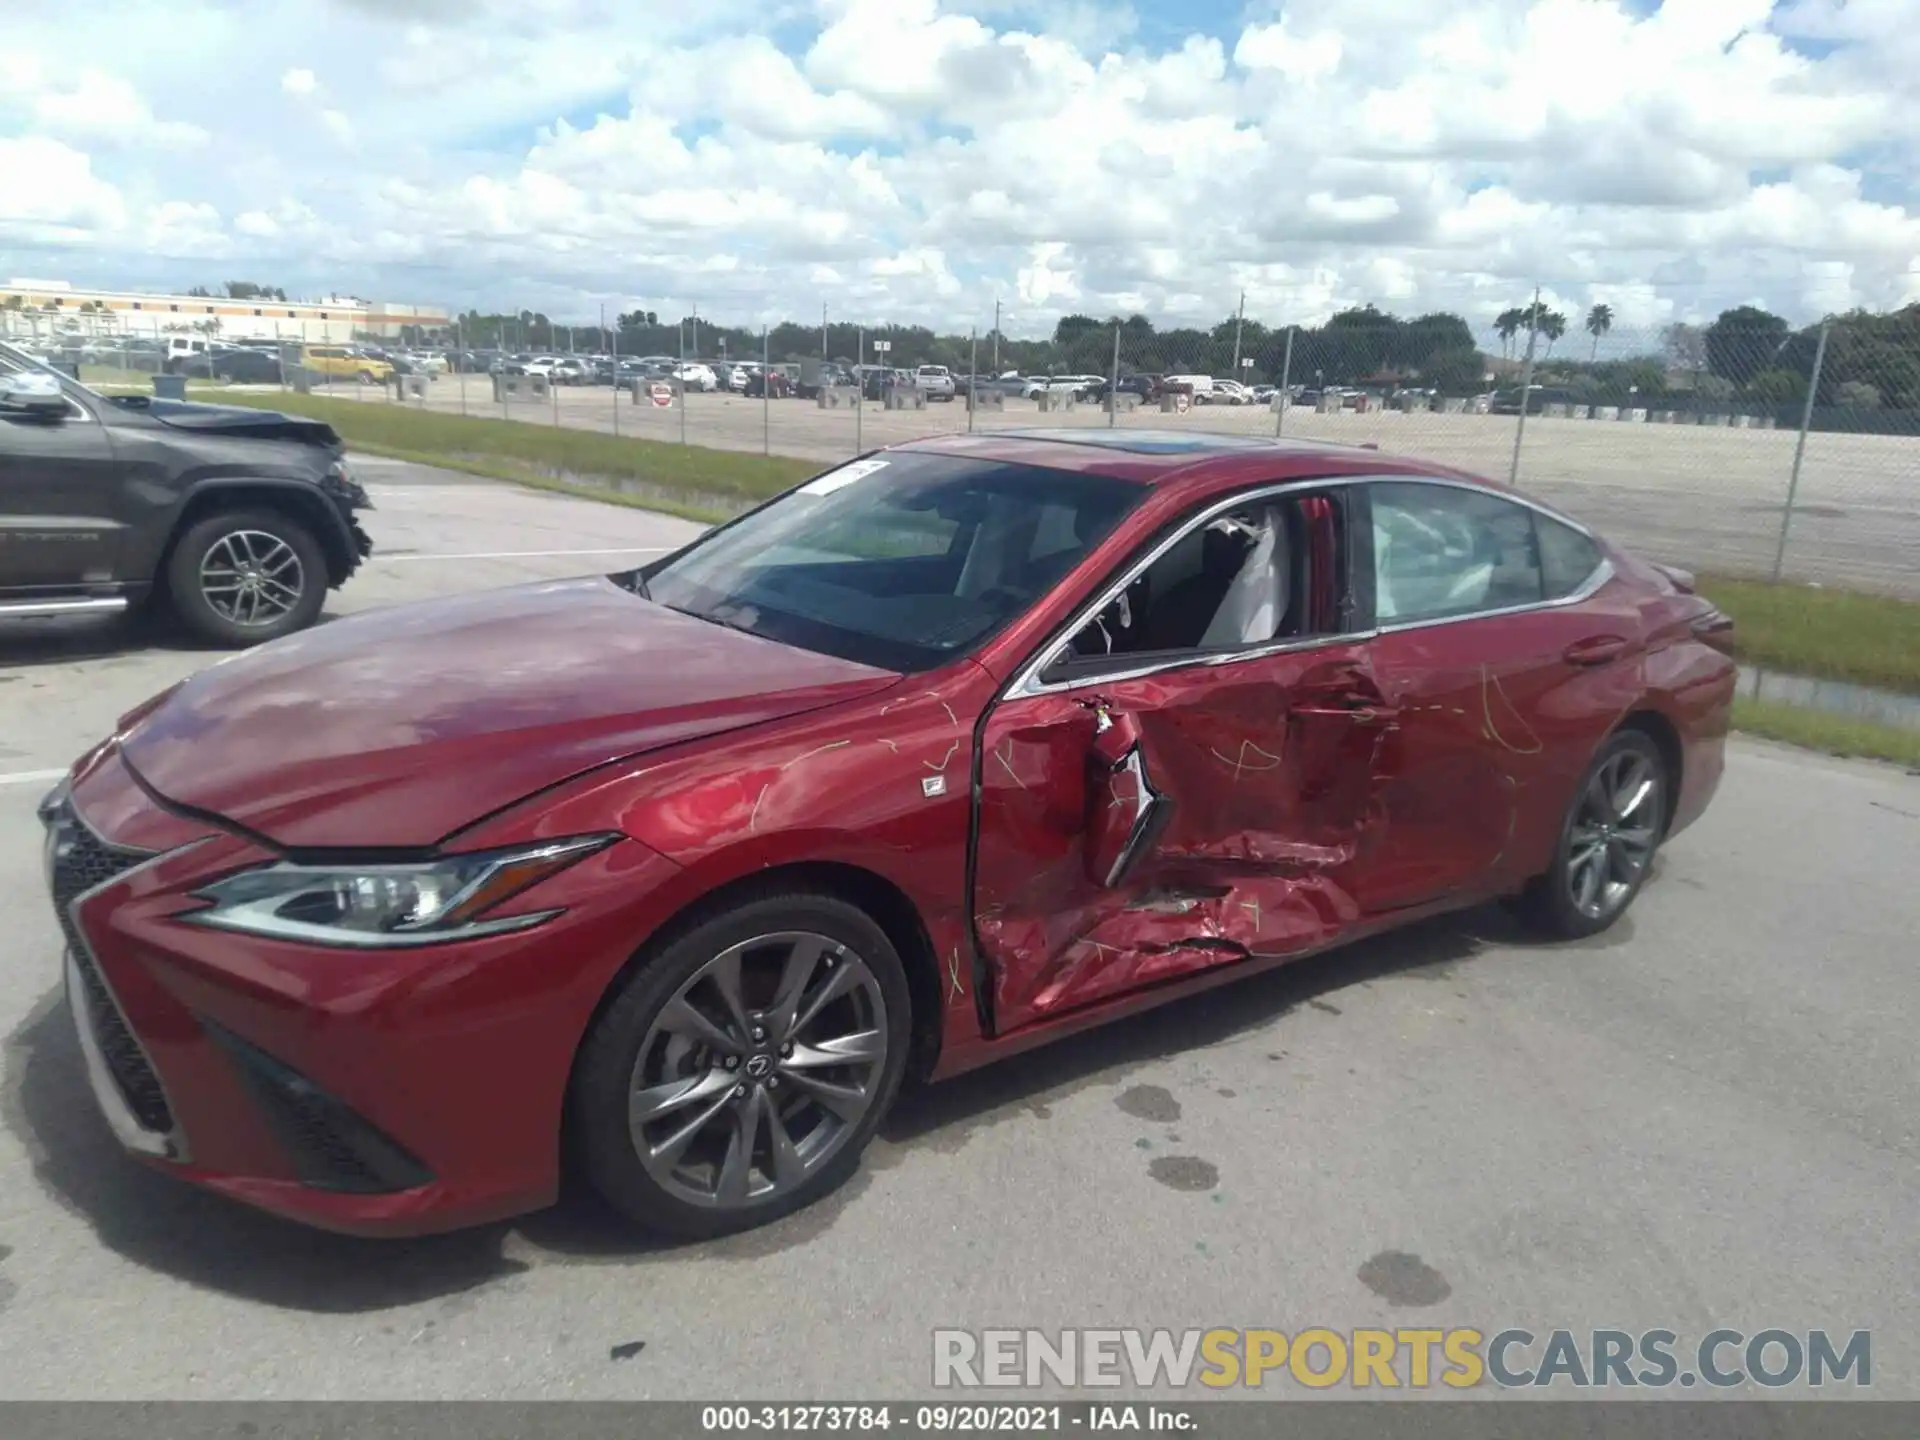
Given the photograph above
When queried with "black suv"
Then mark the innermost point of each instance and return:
(239, 520)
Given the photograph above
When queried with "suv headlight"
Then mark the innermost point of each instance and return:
(385, 906)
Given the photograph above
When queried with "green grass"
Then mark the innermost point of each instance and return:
(688, 480)
(1835, 734)
(1828, 634)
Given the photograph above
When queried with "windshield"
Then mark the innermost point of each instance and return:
(901, 561)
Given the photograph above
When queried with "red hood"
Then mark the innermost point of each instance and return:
(396, 727)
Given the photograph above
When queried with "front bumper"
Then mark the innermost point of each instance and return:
(376, 1093)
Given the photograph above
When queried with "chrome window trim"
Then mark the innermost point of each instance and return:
(1027, 682)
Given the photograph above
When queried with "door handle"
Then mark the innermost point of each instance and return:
(1596, 650)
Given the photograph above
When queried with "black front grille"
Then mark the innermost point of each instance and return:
(83, 862)
(331, 1145)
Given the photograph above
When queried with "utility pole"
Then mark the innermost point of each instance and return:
(1239, 323)
(823, 329)
(696, 330)
(996, 337)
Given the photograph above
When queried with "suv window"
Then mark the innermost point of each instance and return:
(1567, 558)
(1441, 550)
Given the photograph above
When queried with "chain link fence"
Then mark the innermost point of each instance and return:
(1744, 447)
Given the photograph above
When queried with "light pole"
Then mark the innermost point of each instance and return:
(1239, 323)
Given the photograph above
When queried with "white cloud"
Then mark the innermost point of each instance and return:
(910, 159)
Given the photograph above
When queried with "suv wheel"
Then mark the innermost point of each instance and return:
(365, 377)
(246, 576)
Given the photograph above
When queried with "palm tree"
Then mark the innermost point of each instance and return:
(1507, 324)
(1599, 322)
(1553, 325)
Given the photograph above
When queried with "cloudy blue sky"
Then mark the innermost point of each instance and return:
(913, 160)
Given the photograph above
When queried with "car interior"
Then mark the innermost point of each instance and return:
(1239, 580)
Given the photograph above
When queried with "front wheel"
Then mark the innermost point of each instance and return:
(1607, 842)
(738, 1074)
(247, 576)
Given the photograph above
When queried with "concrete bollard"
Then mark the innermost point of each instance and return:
(902, 397)
(837, 397)
(1606, 412)
(1328, 405)
(1123, 402)
(1741, 422)
(986, 400)
(1453, 406)
(1764, 422)
(1053, 401)
(1660, 417)
(1635, 413)
(537, 386)
(302, 380)
(1719, 422)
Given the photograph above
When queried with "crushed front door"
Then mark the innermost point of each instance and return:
(1136, 831)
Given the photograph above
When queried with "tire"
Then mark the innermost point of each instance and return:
(1554, 903)
(630, 1053)
(365, 377)
(254, 535)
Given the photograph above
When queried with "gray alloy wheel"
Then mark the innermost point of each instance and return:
(758, 1069)
(252, 579)
(1607, 843)
(1616, 825)
(741, 1063)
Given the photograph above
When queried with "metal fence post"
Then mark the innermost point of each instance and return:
(680, 384)
(766, 390)
(1113, 384)
(1280, 397)
(973, 375)
(1800, 451)
(460, 362)
(1526, 386)
(614, 346)
(859, 385)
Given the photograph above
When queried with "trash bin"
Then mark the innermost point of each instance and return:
(169, 387)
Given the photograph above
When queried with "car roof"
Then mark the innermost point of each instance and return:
(1155, 457)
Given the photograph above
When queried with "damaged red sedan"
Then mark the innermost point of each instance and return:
(678, 874)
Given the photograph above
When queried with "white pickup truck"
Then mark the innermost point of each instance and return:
(936, 381)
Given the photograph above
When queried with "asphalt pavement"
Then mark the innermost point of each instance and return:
(1704, 1118)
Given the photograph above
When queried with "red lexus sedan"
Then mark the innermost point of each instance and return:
(678, 874)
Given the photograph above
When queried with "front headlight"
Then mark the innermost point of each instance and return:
(381, 906)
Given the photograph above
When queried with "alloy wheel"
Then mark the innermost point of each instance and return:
(758, 1069)
(1614, 833)
(252, 578)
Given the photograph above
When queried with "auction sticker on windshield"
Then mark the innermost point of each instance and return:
(839, 479)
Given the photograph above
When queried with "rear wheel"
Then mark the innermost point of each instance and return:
(739, 1073)
(1607, 842)
(246, 576)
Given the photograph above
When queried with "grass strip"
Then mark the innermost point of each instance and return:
(1833, 734)
(1827, 634)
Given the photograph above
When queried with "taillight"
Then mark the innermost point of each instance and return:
(1715, 629)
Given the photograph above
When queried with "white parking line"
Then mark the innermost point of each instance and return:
(31, 777)
(525, 554)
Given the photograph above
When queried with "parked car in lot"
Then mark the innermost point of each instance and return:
(768, 382)
(238, 521)
(336, 362)
(241, 364)
(1229, 392)
(816, 375)
(567, 370)
(937, 381)
(968, 743)
(1507, 402)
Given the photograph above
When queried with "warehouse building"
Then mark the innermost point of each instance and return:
(49, 309)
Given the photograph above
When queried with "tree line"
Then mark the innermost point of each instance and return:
(1745, 355)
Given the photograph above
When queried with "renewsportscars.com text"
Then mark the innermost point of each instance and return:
(1319, 1358)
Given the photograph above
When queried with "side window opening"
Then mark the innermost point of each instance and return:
(1441, 551)
(1244, 579)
